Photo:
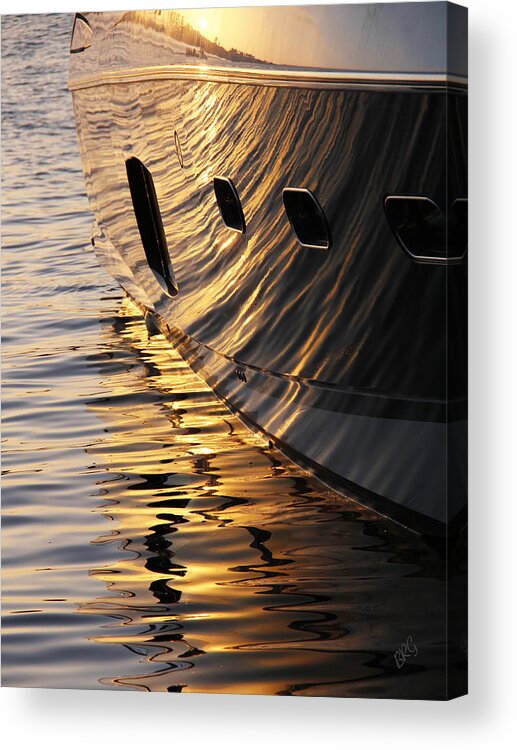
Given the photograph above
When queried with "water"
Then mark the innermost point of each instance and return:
(149, 540)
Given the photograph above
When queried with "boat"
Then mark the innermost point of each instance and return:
(283, 193)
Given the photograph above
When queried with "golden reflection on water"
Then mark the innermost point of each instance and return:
(232, 570)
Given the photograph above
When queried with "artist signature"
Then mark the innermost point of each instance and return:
(405, 651)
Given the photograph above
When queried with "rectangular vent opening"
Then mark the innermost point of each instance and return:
(229, 204)
(423, 230)
(150, 225)
(307, 218)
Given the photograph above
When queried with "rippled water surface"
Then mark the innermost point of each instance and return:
(149, 540)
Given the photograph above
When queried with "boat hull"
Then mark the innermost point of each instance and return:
(351, 358)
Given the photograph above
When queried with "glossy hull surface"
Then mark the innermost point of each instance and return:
(352, 358)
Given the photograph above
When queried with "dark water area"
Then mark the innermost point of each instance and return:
(150, 541)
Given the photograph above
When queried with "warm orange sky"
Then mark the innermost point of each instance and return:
(407, 37)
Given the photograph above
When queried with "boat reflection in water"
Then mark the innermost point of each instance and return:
(231, 570)
(271, 187)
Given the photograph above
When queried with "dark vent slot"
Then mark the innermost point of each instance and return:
(420, 228)
(459, 226)
(82, 34)
(307, 218)
(150, 225)
(229, 204)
